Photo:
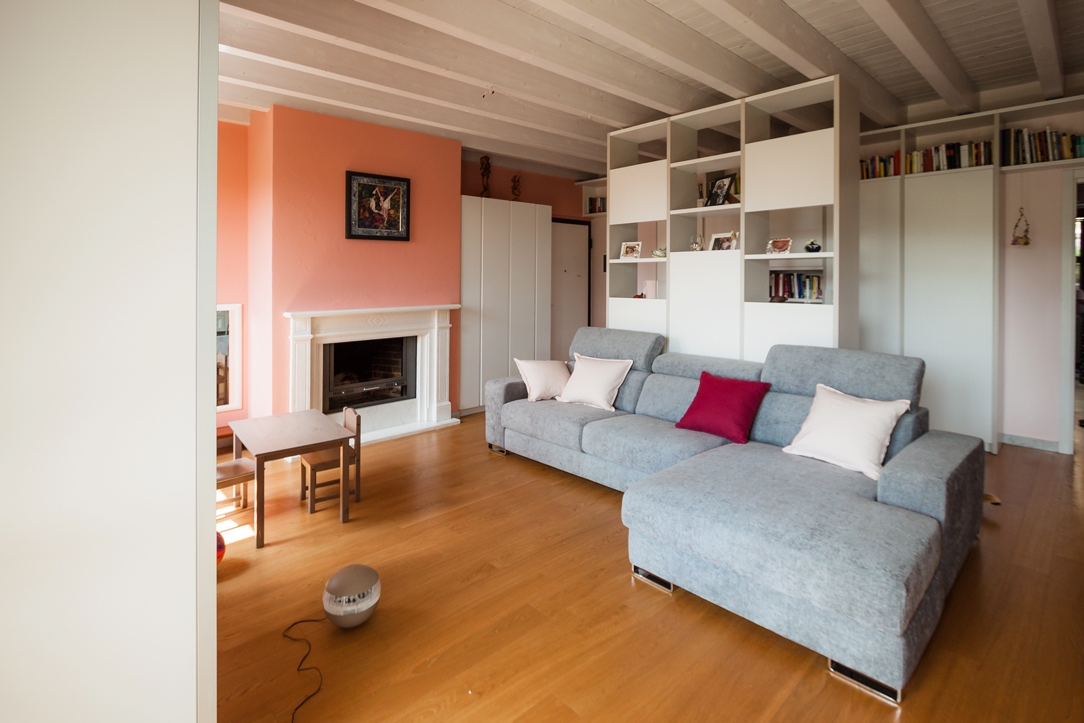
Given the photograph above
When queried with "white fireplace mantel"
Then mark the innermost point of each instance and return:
(310, 330)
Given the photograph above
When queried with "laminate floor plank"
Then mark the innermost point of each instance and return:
(507, 596)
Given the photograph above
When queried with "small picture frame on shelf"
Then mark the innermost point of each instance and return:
(724, 241)
(719, 188)
(778, 246)
(630, 250)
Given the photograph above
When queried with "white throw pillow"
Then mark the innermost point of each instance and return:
(544, 379)
(595, 382)
(850, 432)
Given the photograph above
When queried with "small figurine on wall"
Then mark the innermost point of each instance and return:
(483, 166)
(1021, 239)
(515, 188)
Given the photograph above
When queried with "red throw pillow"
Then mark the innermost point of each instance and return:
(725, 407)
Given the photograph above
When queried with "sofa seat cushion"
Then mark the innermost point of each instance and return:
(559, 423)
(644, 443)
(799, 526)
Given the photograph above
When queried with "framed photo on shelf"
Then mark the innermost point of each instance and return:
(724, 241)
(630, 250)
(720, 188)
(377, 207)
(779, 246)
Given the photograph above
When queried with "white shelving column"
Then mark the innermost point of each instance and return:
(801, 186)
(705, 305)
(638, 198)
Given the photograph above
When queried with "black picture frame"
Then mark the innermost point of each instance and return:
(377, 207)
(719, 188)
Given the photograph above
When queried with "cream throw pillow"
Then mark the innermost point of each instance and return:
(595, 382)
(544, 379)
(846, 431)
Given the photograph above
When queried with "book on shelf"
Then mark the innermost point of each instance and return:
(596, 204)
(881, 166)
(949, 156)
(1019, 146)
(796, 285)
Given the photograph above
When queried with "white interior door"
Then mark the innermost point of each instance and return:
(570, 273)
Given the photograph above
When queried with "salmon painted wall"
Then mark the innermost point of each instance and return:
(232, 253)
(313, 265)
(259, 320)
(562, 194)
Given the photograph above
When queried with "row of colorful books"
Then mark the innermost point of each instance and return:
(795, 285)
(949, 156)
(881, 166)
(596, 204)
(1020, 146)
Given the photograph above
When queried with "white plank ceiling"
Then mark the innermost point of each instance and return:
(539, 83)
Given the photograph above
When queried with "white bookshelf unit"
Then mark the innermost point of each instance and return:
(931, 259)
(792, 184)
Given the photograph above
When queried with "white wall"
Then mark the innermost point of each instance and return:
(108, 421)
(1031, 300)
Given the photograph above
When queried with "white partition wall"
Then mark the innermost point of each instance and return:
(949, 294)
(108, 528)
(505, 291)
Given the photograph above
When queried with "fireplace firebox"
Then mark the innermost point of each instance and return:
(369, 372)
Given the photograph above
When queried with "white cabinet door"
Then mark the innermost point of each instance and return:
(706, 303)
(879, 253)
(949, 313)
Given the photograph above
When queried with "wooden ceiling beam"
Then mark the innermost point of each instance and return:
(1041, 26)
(254, 95)
(511, 32)
(776, 27)
(653, 33)
(246, 38)
(640, 26)
(364, 30)
(910, 28)
(342, 92)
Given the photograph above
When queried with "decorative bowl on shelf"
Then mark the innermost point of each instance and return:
(659, 253)
(812, 247)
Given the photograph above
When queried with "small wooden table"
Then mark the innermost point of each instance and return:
(284, 435)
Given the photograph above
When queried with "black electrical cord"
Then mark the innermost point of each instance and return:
(285, 634)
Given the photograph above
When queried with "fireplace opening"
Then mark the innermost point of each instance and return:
(369, 372)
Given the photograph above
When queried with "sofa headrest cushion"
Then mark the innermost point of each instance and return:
(866, 374)
(691, 366)
(639, 346)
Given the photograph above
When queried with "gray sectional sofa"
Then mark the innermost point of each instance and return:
(852, 568)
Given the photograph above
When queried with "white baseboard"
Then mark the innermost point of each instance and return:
(1043, 444)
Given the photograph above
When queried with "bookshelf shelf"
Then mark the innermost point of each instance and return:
(708, 210)
(1064, 163)
(791, 256)
(651, 260)
(926, 174)
(709, 164)
(886, 178)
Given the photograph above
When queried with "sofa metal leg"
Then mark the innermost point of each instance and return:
(498, 450)
(652, 579)
(866, 683)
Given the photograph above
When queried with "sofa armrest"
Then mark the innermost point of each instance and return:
(498, 393)
(941, 475)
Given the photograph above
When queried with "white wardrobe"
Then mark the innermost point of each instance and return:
(505, 291)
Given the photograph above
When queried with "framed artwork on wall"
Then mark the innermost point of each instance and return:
(377, 207)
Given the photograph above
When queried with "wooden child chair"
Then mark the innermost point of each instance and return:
(329, 459)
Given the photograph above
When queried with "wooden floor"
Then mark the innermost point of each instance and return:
(507, 597)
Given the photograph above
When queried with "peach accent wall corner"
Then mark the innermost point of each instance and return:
(1031, 305)
(232, 254)
(259, 312)
(314, 266)
(561, 194)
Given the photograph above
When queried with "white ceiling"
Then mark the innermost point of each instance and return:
(540, 83)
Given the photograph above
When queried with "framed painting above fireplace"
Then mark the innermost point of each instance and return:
(377, 207)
